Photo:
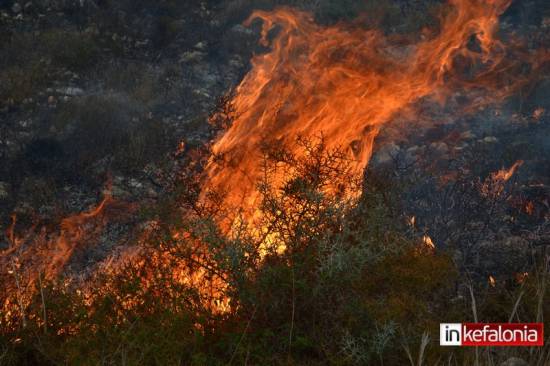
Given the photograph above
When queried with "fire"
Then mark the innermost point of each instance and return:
(529, 208)
(504, 175)
(345, 83)
(340, 83)
(72, 232)
(522, 277)
(428, 243)
(39, 252)
(538, 113)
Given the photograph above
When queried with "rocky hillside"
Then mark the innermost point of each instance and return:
(108, 109)
(98, 94)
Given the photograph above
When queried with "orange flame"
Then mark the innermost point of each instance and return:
(346, 83)
(72, 232)
(522, 277)
(428, 242)
(504, 175)
(38, 251)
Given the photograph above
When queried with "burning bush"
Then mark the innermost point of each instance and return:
(302, 281)
(310, 278)
(275, 248)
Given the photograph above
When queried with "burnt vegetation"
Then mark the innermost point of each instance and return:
(356, 284)
(117, 99)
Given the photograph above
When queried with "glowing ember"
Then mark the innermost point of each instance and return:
(538, 113)
(505, 174)
(428, 242)
(521, 277)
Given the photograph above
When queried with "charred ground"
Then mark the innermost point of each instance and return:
(97, 96)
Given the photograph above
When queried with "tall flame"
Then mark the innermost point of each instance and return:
(345, 83)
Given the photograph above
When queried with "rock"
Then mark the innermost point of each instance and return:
(413, 150)
(386, 154)
(119, 192)
(16, 8)
(191, 56)
(236, 62)
(134, 183)
(241, 30)
(71, 91)
(4, 191)
(201, 46)
(490, 139)
(92, 29)
(514, 361)
(467, 135)
(440, 147)
(151, 193)
(25, 123)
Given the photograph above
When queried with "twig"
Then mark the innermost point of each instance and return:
(43, 302)
(408, 352)
(293, 311)
(514, 310)
(242, 336)
(19, 295)
(423, 344)
(474, 311)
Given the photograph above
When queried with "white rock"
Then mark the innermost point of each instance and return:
(467, 135)
(440, 147)
(240, 29)
(71, 91)
(192, 56)
(135, 183)
(16, 8)
(4, 190)
(386, 154)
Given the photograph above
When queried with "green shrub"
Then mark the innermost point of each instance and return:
(351, 287)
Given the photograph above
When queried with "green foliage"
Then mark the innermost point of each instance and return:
(350, 287)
